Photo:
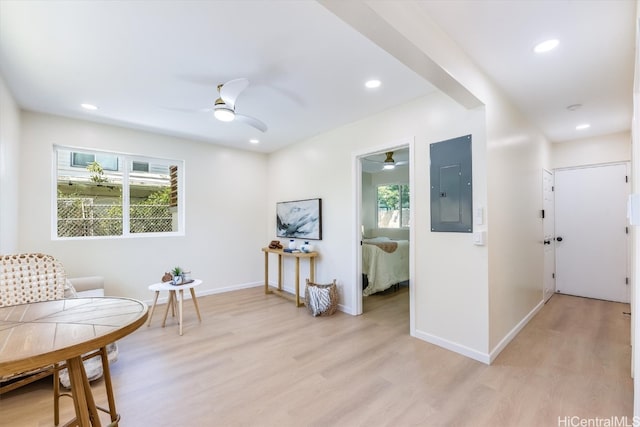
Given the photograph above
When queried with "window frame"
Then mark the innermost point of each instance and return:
(377, 206)
(125, 166)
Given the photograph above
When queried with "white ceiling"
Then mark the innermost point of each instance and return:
(592, 66)
(155, 65)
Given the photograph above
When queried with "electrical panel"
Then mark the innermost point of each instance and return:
(451, 185)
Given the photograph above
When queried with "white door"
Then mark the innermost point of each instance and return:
(590, 229)
(549, 281)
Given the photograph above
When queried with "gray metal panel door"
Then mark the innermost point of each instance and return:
(451, 189)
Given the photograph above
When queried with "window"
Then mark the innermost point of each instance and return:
(140, 166)
(82, 160)
(116, 195)
(393, 206)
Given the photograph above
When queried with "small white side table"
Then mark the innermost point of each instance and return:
(167, 286)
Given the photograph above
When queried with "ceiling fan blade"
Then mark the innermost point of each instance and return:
(188, 110)
(252, 122)
(230, 91)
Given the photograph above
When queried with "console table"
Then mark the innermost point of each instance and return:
(311, 256)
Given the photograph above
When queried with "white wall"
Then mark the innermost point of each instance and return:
(512, 163)
(590, 151)
(225, 194)
(516, 152)
(9, 169)
(451, 302)
(369, 202)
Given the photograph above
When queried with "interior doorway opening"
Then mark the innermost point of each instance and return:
(384, 224)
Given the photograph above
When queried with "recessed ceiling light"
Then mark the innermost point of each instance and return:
(254, 141)
(583, 126)
(546, 46)
(373, 84)
(89, 107)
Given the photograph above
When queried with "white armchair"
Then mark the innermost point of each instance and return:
(86, 287)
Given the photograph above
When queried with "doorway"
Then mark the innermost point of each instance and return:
(591, 231)
(384, 224)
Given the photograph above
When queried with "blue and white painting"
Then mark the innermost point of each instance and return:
(299, 219)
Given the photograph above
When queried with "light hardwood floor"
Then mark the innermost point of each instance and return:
(256, 360)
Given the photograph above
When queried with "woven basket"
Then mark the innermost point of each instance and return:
(322, 292)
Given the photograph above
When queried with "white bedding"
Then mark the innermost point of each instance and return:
(384, 269)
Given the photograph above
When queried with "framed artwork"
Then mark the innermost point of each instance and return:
(300, 219)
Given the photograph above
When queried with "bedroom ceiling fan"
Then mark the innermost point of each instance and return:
(388, 163)
(224, 108)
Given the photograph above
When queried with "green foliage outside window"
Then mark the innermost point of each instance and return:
(393, 206)
(102, 193)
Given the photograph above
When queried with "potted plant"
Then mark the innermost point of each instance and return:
(177, 275)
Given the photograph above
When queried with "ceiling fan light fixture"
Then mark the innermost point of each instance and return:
(224, 114)
(389, 163)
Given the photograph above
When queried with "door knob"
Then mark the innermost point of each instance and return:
(559, 239)
(547, 242)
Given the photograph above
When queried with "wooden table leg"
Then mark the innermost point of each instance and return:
(180, 309)
(78, 391)
(195, 302)
(297, 282)
(106, 373)
(280, 271)
(91, 404)
(266, 272)
(169, 303)
(312, 270)
(153, 307)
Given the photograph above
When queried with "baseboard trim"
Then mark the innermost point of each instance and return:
(486, 358)
(453, 346)
(187, 295)
(512, 334)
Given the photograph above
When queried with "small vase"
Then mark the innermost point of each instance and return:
(306, 247)
(292, 244)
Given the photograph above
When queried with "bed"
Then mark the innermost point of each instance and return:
(385, 262)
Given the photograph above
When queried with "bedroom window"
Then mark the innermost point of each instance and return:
(393, 206)
(99, 194)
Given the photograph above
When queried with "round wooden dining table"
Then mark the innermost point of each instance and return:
(41, 334)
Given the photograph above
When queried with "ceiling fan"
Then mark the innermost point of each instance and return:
(224, 108)
(388, 163)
